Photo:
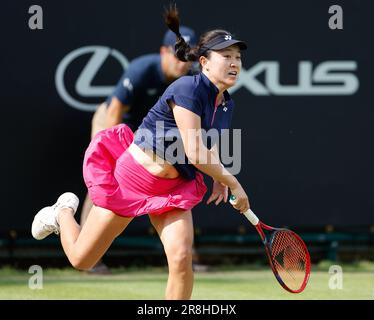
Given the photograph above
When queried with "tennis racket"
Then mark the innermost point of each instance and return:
(288, 255)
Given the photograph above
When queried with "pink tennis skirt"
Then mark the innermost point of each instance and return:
(117, 182)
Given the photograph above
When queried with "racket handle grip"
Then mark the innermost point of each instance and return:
(251, 217)
(248, 214)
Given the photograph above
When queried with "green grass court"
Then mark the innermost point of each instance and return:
(240, 283)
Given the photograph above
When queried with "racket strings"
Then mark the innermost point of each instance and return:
(290, 258)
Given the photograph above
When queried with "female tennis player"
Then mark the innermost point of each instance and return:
(129, 175)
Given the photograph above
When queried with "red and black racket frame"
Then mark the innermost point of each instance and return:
(259, 227)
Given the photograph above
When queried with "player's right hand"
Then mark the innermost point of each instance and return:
(241, 202)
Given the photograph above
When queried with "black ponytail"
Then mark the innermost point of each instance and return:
(182, 49)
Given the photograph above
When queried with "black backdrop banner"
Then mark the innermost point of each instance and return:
(304, 103)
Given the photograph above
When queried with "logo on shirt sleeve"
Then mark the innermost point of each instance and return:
(186, 38)
(127, 84)
(224, 105)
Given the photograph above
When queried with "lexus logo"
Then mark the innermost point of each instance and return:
(83, 85)
(327, 78)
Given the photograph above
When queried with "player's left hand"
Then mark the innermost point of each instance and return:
(220, 192)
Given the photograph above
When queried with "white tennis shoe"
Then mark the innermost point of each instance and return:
(45, 221)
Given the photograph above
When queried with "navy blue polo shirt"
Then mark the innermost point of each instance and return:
(159, 130)
(139, 87)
